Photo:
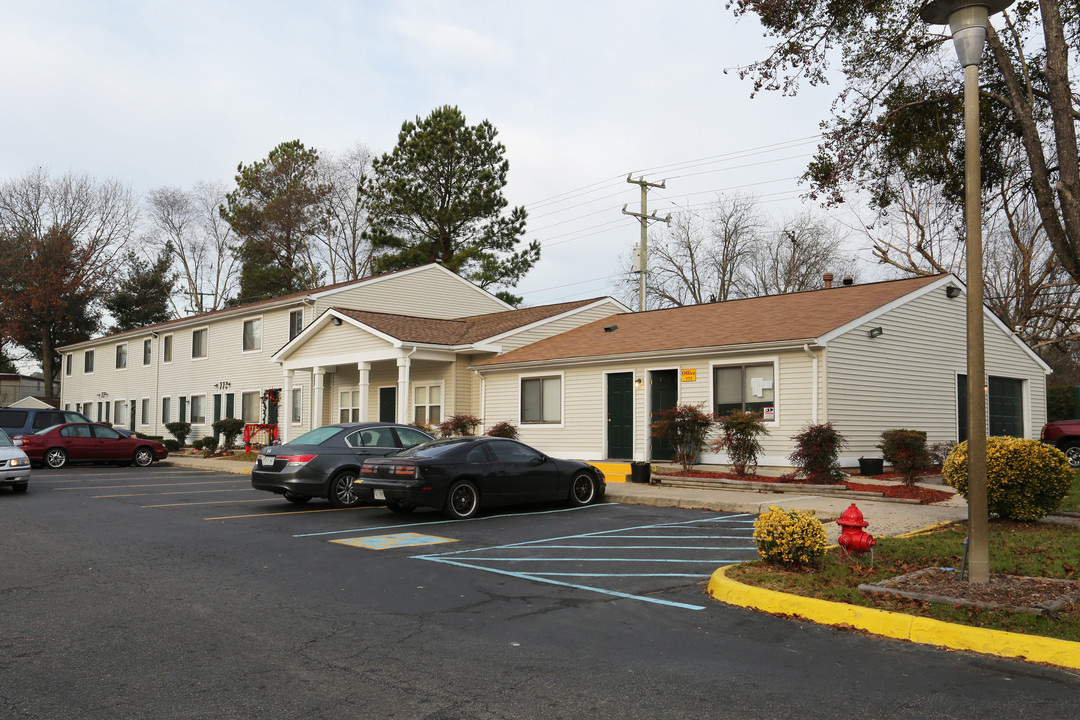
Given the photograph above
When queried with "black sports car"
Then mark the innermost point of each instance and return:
(463, 475)
(325, 462)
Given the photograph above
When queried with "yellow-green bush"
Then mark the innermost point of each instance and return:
(789, 537)
(1025, 479)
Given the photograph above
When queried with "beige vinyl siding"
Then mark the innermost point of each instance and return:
(556, 327)
(337, 340)
(429, 292)
(906, 377)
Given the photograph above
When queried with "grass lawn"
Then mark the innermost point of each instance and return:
(1072, 500)
(1034, 549)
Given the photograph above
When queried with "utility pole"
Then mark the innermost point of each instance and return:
(645, 218)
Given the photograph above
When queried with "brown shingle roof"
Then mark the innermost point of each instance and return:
(774, 318)
(460, 331)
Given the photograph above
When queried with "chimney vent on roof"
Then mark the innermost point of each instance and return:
(849, 281)
(828, 280)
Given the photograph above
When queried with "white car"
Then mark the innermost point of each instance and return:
(14, 465)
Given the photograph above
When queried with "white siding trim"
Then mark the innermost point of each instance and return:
(562, 400)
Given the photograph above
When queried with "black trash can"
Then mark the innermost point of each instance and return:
(871, 466)
(640, 472)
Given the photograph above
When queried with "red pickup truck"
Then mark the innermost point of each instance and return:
(1065, 436)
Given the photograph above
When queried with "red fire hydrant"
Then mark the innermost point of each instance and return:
(853, 538)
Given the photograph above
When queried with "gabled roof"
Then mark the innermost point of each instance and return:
(462, 331)
(794, 317)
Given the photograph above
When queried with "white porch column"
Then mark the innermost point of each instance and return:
(285, 416)
(364, 371)
(318, 375)
(403, 364)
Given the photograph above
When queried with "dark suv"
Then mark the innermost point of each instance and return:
(24, 421)
(1065, 436)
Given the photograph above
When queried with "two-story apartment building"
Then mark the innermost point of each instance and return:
(391, 347)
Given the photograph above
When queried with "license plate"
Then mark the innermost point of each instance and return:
(266, 460)
(380, 495)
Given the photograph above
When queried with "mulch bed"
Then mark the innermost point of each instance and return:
(926, 496)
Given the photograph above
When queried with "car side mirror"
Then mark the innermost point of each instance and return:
(538, 460)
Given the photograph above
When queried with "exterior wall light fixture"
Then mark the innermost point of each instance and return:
(875, 332)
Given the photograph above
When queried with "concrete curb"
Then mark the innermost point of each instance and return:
(217, 464)
(925, 631)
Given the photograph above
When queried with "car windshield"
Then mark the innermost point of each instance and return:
(435, 448)
(5, 441)
(316, 437)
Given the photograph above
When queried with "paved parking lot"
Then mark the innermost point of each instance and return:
(604, 548)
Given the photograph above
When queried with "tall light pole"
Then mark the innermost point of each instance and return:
(968, 20)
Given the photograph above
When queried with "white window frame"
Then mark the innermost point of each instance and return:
(206, 343)
(69, 362)
(117, 353)
(562, 398)
(191, 409)
(145, 408)
(298, 330)
(296, 408)
(352, 410)
(258, 405)
(93, 361)
(166, 409)
(427, 412)
(168, 347)
(116, 419)
(773, 360)
(258, 340)
(148, 358)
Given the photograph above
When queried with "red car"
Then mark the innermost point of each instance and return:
(59, 445)
(1065, 436)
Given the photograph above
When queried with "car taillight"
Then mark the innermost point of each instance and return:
(405, 470)
(296, 460)
(367, 469)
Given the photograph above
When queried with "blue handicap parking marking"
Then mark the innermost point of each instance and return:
(395, 540)
(633, 562)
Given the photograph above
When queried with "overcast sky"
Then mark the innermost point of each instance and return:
(582, 93)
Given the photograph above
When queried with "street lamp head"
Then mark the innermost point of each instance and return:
(968, 20)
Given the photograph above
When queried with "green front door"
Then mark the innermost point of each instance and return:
(388, 404)
(620, 416)
(663, 394)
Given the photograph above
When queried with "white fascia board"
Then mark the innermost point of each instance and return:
(878, 312)
(553, 318)
(405, 273)
(318, 324)
(656, 356)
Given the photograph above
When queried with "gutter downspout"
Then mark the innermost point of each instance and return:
(483, 393)
(814, 384)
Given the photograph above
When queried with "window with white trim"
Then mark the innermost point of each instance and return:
(147, 351)
(198, 409)
(144, 413)
(121, 356)
(120, 410)
(166, 409)
(541, 400)
(296, 406)
(296, 323)
(744, 387)
(253, 335)
(249, 406)
(67, 364)
(349, 406)
(88, 362)
(198, 342)
(166, 349)
(427, 404)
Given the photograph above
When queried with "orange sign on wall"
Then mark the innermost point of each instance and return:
(689, 375)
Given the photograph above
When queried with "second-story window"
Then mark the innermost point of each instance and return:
(121, 357)
(296, 323)
(67, 364)
(252, 334)
(147, 350)
(198, 343)
(166, 349)
(88, 362)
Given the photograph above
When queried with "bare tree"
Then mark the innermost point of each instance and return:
(797, 255)
(346, 251)
(189, 225)
(701, 256)
(65, 235)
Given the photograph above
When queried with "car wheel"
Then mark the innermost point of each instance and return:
(143, 457)
(400, 507)
(56, 458)
(463, 500)
(20, 488)
(582, 489)
(342, 491)
(296, 499)
(1072, 452)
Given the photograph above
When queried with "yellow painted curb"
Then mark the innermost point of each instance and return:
(921, 630)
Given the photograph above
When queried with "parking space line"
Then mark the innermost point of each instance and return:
(113, 487)
(296, 512)
(467, 558)
(177, 492)
(212, 502)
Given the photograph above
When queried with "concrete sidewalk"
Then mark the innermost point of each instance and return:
(885, 518)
